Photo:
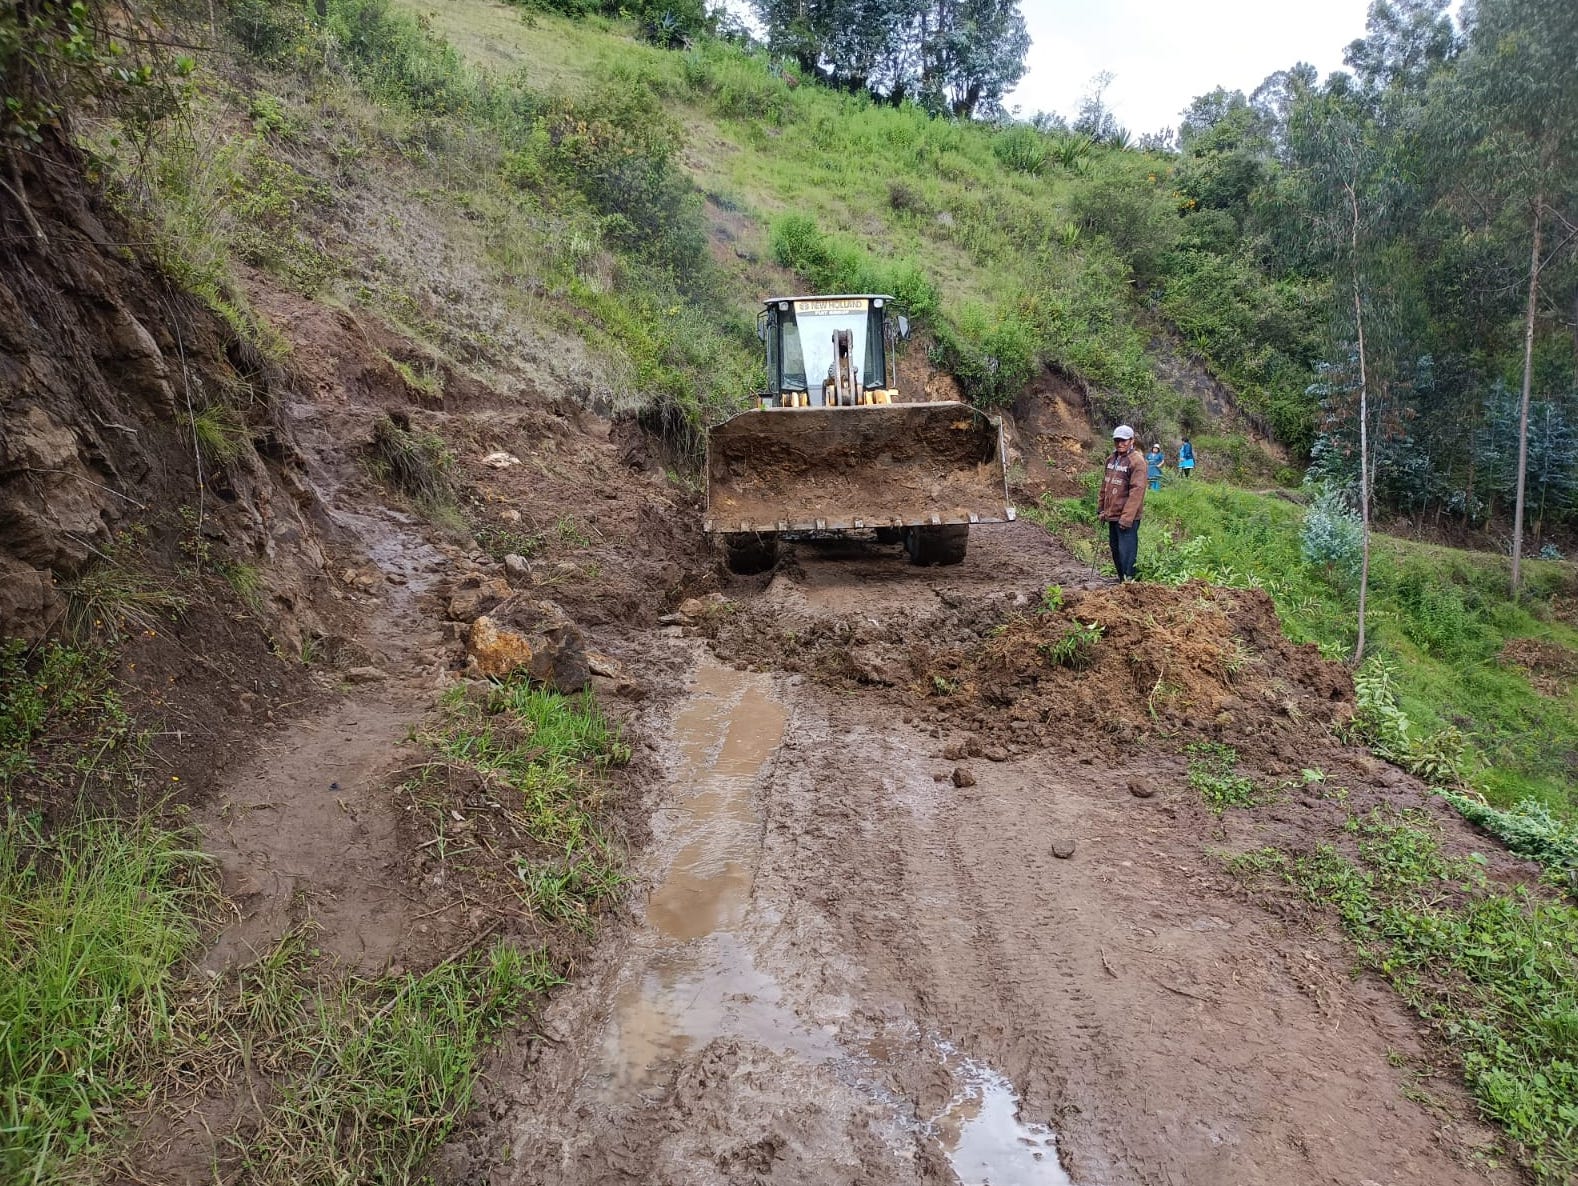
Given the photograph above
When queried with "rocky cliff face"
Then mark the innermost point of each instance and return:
(104, 370)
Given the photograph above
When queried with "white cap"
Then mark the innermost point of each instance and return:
(1123, 433)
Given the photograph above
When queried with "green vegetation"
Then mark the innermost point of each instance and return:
(95, 920)
(60, 716)
(366, 1076)
(1490, 967)
(1438, 699)
(1213, 771)
(1075, 648)
(539, 752)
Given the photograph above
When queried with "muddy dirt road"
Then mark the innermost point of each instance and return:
(871, 948)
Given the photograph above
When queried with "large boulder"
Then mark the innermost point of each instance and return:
(536, 638)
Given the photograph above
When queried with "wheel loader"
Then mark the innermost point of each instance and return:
(831, 449)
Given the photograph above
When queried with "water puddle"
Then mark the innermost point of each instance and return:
(986, 1142)
(698, 980)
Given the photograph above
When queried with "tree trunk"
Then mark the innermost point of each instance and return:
(1364, 423)
(1523, 408)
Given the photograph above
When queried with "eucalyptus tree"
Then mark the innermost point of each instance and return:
(1518, 77)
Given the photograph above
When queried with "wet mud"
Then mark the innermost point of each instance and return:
(846, 968)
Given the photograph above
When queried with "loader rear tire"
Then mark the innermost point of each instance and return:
(937, 545)
(746, 553)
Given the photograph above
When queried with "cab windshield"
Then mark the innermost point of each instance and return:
(809, 329)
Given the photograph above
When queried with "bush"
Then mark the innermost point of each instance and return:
(1022, 149)
(991, 352)
(619, 150)
(1333, 537)
(832, 263)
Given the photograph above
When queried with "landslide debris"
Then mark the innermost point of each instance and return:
(1122, 662)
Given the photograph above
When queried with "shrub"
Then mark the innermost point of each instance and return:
(1333, 537)
(1022, 149)
(991, 352)
(832, 263)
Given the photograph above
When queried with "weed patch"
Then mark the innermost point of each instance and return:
(538, 757)
(1213, 771)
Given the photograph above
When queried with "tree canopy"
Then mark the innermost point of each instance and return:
(954, 56)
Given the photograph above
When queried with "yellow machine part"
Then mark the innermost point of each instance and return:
(871, 465)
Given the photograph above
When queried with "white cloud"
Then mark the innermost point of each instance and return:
(1162, 55)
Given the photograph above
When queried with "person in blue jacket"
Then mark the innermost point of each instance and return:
(1154, 460)
(1186, 458)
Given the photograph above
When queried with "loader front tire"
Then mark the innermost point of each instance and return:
(746, 553)
(937, 545)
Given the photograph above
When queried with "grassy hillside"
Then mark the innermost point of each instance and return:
(557, 196)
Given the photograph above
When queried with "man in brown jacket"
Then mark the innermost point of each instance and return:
(1121, 500)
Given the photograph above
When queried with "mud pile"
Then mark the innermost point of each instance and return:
(1123, 662)
(1141, 659)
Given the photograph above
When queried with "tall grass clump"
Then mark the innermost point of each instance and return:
(94, 921)
(833, 263)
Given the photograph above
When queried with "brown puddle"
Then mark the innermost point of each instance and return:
(697, 980)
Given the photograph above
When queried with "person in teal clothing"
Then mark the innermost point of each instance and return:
(1154, 460)
(1186, 458)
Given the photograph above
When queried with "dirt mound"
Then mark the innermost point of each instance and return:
(1550, 668)
(1142, 658)
(1126, 661)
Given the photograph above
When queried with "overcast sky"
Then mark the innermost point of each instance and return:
(1162, 53)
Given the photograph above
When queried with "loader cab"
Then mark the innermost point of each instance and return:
(830, 350)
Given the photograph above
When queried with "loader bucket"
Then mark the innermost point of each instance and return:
(836, 468)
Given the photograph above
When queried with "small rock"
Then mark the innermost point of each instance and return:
(468, 604)
(672, 620)
(500, 460)
(365, 675)
(953, 751)
(517, 567)
(963, 776)
(972, 746)
(1140, 790)
(1062, 849)
(692, 608)
(510, 515)
(994, 753)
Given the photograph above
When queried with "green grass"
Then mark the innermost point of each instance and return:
(61, 718)
(367, 1076)
(95, 921)
(1490, 967)
(543, 755)
(1438, 616)
(1213, 772)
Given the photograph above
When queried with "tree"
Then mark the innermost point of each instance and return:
(973, 52)
(1405, 43)
(1095, 118)
(955, 56)
(1519, 72)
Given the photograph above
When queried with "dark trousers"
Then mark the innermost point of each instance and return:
(1125, 543)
